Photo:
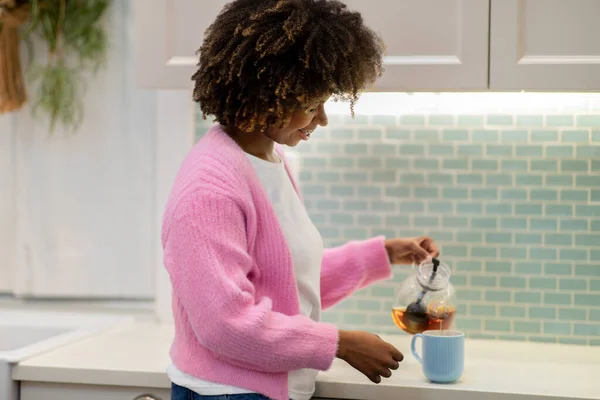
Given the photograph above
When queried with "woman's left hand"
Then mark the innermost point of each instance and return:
(411, 250)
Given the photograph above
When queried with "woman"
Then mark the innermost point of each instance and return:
(248, 269)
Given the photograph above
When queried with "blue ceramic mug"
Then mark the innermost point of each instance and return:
(443, 357)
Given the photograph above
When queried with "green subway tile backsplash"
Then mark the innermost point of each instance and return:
(523, 179)
(510, 136)
(542, 283)
(543, 339)
(544, 135)
(560, 120)
(528, 297)
(497, 325)
(587, 300)
(510, 223)
(513, 200)
(557, 298)
(441, 120)
(559, 151)
(513, 311)
(588, 270)
(498, 267)
(545, 313)
(564, 210)
(470, 120)
(528, 267)
(495, 119)
(588, 120)
(587, 329)
(514, 194)
(527, 326)
(557, 328)
(559, 180)
(552, 268)
(499, 150)
(573, 284)
(530, 120)
(575, 136)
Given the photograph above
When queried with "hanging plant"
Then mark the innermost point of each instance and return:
(76, 43)
(12, 87)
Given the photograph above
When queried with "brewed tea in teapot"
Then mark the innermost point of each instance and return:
(426, 299)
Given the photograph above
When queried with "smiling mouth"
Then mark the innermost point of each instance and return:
(305, 133)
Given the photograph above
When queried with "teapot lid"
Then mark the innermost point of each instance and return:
(433, 274)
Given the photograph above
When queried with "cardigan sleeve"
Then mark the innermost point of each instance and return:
(205, 251)
(351, 267)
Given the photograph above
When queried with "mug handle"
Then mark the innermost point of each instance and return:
(413, 342)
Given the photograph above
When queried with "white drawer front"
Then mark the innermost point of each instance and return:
(57, 391)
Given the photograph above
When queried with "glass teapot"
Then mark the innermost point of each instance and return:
(425, 300)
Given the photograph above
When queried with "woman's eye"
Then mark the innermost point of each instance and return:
(313, 109)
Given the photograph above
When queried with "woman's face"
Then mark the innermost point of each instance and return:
(301, 125)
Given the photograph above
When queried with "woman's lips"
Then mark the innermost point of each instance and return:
(305, 134)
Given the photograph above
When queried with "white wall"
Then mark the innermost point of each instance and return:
(174, 138)
(85, 207)
(7, 202)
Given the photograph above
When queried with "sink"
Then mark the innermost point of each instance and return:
(16, 337)
(25, 333)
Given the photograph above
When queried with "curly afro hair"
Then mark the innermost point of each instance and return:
(264, 60)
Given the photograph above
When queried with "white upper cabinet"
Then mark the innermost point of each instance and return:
(168, 34)
(430, 44)
(545, 45)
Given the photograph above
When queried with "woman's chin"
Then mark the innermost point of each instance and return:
(293, 141)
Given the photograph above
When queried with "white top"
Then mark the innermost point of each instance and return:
(135, 357)
(306, 249)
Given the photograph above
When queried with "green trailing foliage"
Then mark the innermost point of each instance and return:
(76, 43)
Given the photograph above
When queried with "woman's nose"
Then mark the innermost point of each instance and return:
(322, 116)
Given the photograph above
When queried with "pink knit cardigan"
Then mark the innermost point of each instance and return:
(235, 302)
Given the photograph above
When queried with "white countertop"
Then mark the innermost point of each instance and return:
(137, 355)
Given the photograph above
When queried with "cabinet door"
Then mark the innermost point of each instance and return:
(431, 44)
(60, 391)
(437, 45)
(168, 33)
(545, 45)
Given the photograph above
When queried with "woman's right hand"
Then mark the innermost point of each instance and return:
(368, 353)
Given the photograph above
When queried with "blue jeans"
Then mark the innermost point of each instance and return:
(181, 393)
